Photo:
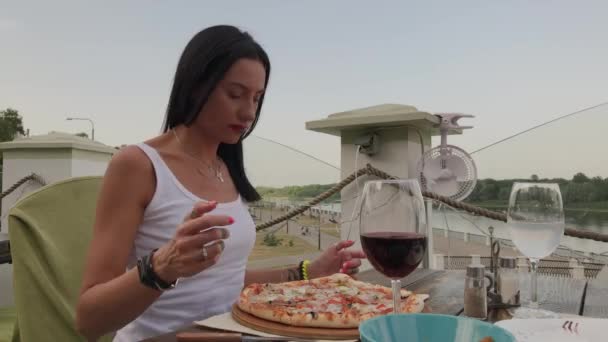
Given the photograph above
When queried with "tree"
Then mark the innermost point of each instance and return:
(11, 124)
(534, 178)
(580, 178)
(489, 190)
(504, 194)
(82, 134)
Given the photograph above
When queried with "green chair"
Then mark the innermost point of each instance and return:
(50, 230)
(8, 318)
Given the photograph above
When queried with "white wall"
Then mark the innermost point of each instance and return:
(399, 153)
(51, 170)
(82, 168)
(52, 165)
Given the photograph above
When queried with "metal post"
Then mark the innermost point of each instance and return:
(319, 232)
(493, 262)
(90, 121)
(427, 262)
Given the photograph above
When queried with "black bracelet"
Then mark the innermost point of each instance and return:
(148, 277)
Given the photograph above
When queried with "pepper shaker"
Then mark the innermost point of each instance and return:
(475, 296)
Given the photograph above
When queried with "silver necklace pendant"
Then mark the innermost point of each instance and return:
(218, 174)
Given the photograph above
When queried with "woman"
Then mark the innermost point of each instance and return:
(185, 257)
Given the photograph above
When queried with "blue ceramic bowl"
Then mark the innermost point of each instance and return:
(429, 328)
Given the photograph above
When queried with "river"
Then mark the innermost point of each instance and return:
(575, 218)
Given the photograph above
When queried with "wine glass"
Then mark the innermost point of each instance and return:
(536, 219)
(392, 226)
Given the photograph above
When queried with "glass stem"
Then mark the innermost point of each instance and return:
(533, 284)
(396, 284)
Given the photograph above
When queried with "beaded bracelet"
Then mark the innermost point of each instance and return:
(303, 269)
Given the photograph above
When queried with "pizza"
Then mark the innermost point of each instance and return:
(336, 301)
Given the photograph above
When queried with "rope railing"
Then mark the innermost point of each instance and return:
(32, 177)
(5, 246)
(372, 171)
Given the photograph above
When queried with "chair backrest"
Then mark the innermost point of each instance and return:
(50, 231)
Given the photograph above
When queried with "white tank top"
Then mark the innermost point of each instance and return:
(212, 291)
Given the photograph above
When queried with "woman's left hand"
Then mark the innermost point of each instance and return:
(336, 259)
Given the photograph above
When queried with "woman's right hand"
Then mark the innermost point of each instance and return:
(194, 247)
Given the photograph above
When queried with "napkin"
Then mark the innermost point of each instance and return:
(226, 322)
(549, 329)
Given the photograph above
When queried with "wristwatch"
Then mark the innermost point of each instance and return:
(149, 278)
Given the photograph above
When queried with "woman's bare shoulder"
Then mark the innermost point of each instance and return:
(128, 159)
(131, 170)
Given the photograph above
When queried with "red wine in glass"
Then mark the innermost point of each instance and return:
(392, 228)
(394, 254)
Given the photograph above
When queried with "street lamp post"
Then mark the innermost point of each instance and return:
(90, 121)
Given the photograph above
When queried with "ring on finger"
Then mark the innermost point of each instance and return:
(205, 253)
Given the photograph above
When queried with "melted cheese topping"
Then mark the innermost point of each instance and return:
(317, 299)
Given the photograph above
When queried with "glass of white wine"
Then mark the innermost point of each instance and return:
(536, 219)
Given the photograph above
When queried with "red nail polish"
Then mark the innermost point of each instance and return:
(230, 220)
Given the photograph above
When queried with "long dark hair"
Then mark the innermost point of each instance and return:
(203, 63)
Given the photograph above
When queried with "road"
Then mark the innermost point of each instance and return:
(295, 229)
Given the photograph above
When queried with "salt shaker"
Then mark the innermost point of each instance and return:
(475, 296)
(507, 283)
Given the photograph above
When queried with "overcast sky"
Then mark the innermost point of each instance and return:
(513, 64)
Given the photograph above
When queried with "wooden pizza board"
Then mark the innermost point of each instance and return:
(253, 322)
(276, 328)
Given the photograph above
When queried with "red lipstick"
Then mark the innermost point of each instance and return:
(238, 128)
